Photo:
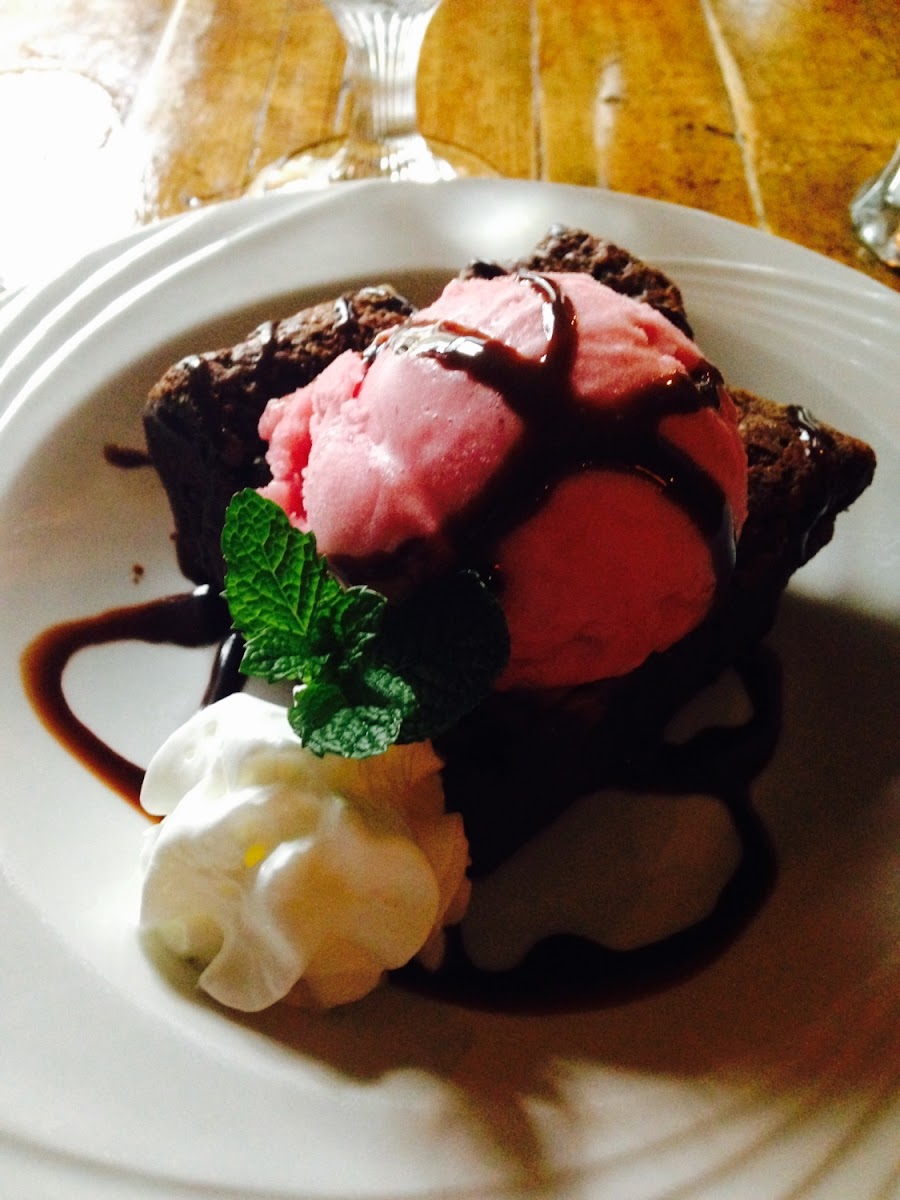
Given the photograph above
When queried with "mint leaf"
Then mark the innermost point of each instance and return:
(268, 655)
(368, 673)
(449, 642)
(355, 732)
(275, 579)
(357, 620)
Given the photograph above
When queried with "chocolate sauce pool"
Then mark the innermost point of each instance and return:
(562, 436)
(199, 618)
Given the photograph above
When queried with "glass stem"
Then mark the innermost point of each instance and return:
(384, 42)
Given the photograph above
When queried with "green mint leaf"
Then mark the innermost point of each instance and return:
(357, 731)
(449, 642)
(271, 656)
(275, 579)
(369, 673)
(387, 687)
(356, 621)
(314, 706)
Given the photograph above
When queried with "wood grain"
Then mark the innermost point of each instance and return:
(770, 113)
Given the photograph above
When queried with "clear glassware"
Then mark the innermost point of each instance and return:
(875, 213)
(384, 41)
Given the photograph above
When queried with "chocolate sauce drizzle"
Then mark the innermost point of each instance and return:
(199, 618)
(813, 436)
(816, 441)
(562, 436)
(126, 458)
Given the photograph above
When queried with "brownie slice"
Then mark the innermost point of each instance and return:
(521, 758)
(201, 418)
(201, 432)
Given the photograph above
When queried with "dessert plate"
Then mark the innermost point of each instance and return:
(772, 1073)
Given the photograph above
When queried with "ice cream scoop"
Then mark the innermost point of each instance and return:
(565, 440)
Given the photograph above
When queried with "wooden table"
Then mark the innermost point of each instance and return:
(770, 112)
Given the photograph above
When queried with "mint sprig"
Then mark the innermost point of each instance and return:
(369, 673)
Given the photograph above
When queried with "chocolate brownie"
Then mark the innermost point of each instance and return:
(201, 431)
(522, 757)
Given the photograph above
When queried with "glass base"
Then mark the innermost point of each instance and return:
(875, 213)
(414, 159)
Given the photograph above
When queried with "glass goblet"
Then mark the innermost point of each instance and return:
(875, 213)
(384, 41)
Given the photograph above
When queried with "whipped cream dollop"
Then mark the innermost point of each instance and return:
(283, 875)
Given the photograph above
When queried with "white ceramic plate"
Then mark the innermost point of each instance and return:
(774, 1073)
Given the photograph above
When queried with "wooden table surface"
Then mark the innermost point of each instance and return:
(770, 112)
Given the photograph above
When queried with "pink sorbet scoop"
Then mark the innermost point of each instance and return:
(566, 440)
